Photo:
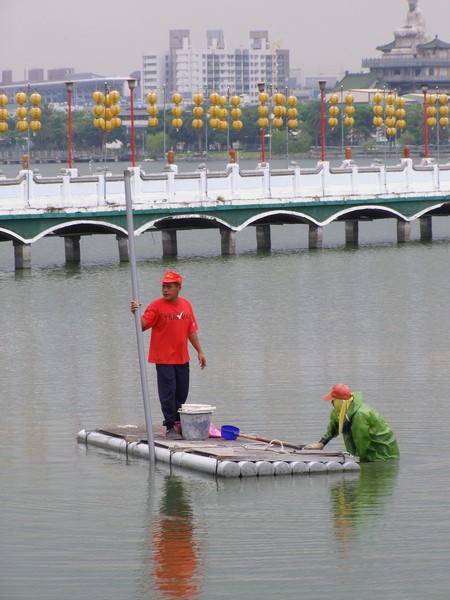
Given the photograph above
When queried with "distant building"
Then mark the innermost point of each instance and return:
(413, 58)
(215, 68)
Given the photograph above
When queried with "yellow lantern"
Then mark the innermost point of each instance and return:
(378, 121)
(292, 112)
(263, 122)
(35, 125)
(401, 124)
(332, 122)
(278, 122)
(223, 125)
(333, 110)
(197, 123)
(292, 123)
(377, 110)
(431, 99)
(35, 98)
(214, 98)
(443, 121)
(177, 98)
(177, 111)
(378, 98)
(35, 112)
(177, 122)
(3, 99)
(390, 122)
(21, 112)
(214, 122)
(152, 98)
(391, 131)
(390, 99)
(197, 99)
(3, 114)
(99, 122)
(349, 121)
(21, 97)
(116, 122)
(98, 110)
(152, 122)
(334, 98)
(98, 96)
(3, 127)
(235, 100)
(223, 113)
(114, 96)
(400, 113)
(236, 113)
(237, 125)
(152, 110)
(22, 125)
(198, 111)
(263, 110)
(349, 110)
(431, 122)
(263, 97)
(390, 110)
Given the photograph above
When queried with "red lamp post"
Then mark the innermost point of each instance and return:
(322, 117)
(263, 121)
(425, 120)
(131, 86)
(69, 86)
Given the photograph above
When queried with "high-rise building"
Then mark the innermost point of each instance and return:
(215, 68)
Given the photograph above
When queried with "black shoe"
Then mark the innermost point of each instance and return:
(171, 434)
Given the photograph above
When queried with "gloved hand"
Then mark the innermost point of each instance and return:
(317, 446)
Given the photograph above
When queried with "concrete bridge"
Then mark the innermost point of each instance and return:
(70, 206)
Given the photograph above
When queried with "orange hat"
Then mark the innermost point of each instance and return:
(340, 391)
(172, 277)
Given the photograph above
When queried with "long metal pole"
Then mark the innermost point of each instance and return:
(69, 116)
(137, 318)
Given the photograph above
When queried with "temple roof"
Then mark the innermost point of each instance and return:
(387, 47)
(436, 43)
(358, 81)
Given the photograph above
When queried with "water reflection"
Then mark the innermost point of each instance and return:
(176, 551)
(357, 502)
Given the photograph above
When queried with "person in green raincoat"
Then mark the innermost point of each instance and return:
(366, 434)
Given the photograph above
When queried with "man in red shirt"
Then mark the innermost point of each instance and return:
(173, 323)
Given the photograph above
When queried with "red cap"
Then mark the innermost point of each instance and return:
(172, 277)
(340, 391)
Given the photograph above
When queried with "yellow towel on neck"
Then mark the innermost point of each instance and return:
(341, 407)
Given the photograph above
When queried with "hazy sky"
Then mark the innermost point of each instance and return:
(325, 37)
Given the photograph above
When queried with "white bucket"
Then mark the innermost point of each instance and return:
(195, 421)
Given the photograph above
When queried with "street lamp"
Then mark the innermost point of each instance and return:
(131, 86)
(69, 86)
(322, 83)
(263, 121)
(425, 122)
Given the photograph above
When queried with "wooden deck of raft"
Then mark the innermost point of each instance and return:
(242, 457)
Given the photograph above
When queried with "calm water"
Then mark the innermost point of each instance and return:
(278, 330)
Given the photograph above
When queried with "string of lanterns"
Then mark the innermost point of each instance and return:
(106, 110)
(34, 112)
(152, 109)
(3, 113)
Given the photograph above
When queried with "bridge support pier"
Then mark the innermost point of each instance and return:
(228, 242)
(263, 237)
(315, 236)
(426, 229)
(403, 231)
(22, 255)
(72, 248)
(351, 232)
(169, 242)
(122, 243)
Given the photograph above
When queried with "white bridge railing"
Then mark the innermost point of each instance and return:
(29, 193)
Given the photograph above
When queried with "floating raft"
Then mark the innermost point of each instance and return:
(219, 457)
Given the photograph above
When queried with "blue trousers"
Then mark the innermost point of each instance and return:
(173, 389)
